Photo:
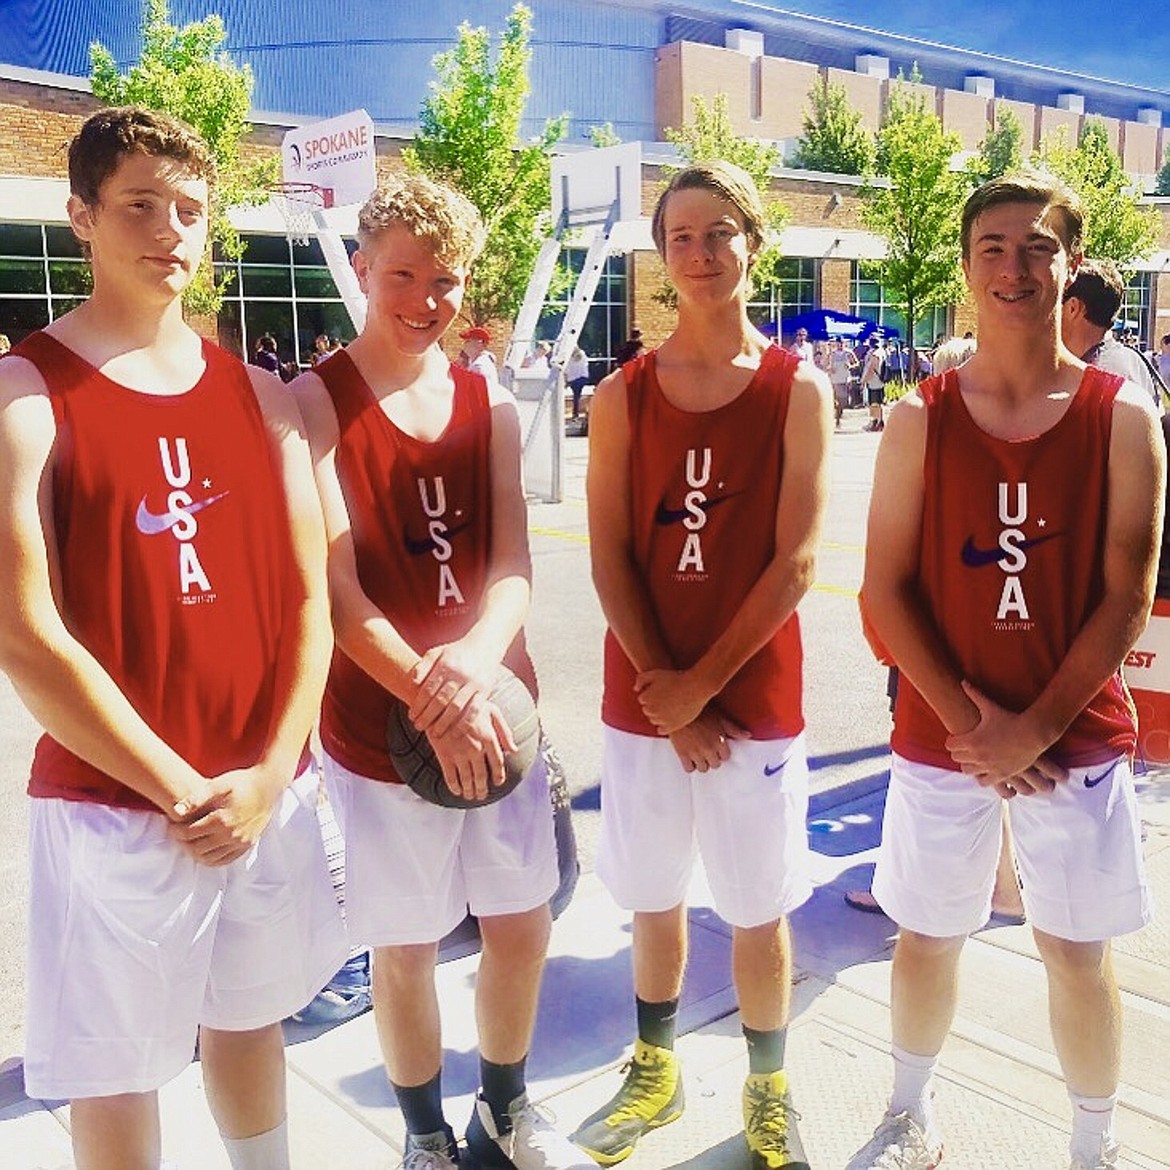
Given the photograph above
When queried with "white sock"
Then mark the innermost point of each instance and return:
(265, 1151)
(1092, 1125)
(912, 1086)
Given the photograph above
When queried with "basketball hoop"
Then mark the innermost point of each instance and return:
(296, 203)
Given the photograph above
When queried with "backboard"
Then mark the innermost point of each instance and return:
(336, 155)
(587, 183)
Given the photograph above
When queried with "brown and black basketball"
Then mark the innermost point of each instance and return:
(414, 758)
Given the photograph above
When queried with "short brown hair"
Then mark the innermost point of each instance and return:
(1028, 187)
(111, 134)
(432, 212)
(1100, 288)
(729, 182)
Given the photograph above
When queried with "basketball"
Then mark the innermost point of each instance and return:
(414, 758)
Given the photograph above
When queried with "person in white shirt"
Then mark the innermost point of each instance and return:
(801, 346)
(577, 376)
(479, 358)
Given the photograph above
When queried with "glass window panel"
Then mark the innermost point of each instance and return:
(22, 276)
(315, 282)
(60, 241)
(266, 281)
(314, 317)
(230, 334)
(266, 250)
(308, 254)
(70, 278)
(21, 239)
(23, 315)
(59, 306)
(275, 318)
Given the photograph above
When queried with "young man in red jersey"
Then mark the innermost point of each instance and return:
(418, 466)
(706, 486)
(162, 558)
(1011, 553)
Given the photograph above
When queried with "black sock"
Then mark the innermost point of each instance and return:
(765, 1049)
(501, 1084)
(657, 1022)
(422, 1106)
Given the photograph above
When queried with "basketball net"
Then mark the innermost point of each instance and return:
(296, 203)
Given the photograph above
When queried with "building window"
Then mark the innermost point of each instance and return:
(868, 299)
(42, 276)
(1137, 309)
(285, 290)
(607, 322)
(793, 293)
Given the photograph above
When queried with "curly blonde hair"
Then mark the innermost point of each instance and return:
(432, 212)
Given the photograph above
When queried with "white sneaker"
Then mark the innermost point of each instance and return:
(531, 1144)
(898, 1143)
(1106, 1160)
(430, 1151)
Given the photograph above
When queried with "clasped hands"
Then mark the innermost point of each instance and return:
(1003, 751)
(680, 706)
(467, 730)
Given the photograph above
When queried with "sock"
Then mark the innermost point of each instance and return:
(422, 1105)
(1092, 1125)
(657, 1022)
(765, 1049)
(912, 1088)
(265, 1151)
(501, 1084)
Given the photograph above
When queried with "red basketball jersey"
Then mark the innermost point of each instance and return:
(1010, 566)
(421, 516)
(176, 566)
(704, 489)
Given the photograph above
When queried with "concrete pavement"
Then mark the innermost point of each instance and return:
(1001, 1100)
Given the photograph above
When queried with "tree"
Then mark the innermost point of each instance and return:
(834, 138)
(1162, 187)
(184, 72)
(710, 136)
(469, 137)
(604, 135)
(917, 211)
(1117, 227)
(1002, 151)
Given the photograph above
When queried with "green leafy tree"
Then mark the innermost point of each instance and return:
(710, 136)
(184, 72)
(834, 138)
(469, 137)
(1002, 151)
(604, 135)
(917, 210)
(1162, 186)
(1117, 227)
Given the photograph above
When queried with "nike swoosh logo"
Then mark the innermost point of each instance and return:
(665, 515)
(151, 524)
(1093, 781)
(416, 548)
(976, 558)
(772, 769)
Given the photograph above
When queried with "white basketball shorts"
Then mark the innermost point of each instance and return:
(133, 944)
(413, 869)
(1078, 848)
(746, 818)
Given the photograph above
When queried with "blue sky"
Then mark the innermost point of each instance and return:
(1120, 41)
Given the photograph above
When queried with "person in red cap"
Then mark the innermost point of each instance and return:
(479, 358)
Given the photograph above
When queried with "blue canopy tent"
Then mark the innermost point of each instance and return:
(828, 324)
